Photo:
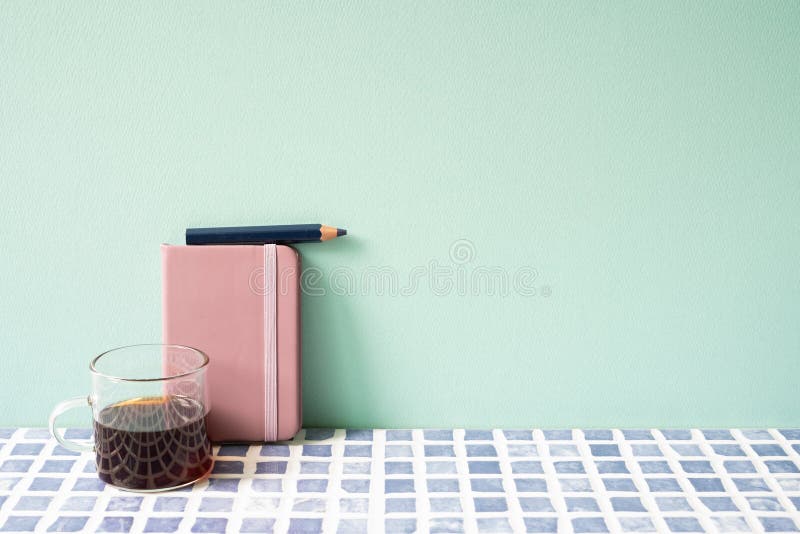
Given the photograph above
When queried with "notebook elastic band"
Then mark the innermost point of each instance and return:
(270, 345)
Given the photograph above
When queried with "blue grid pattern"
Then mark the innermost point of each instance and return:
(351, 481)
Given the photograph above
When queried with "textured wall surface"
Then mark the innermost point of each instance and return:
(634, 166)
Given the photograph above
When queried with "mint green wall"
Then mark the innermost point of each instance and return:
(644, 158)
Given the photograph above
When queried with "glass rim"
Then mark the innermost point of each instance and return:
(93, 368)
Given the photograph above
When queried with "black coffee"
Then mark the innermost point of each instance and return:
(152, 443)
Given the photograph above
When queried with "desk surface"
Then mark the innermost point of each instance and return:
(429, 481)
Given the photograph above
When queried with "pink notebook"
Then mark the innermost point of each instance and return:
(240, 304)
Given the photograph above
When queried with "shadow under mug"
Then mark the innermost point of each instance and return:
(149, 408)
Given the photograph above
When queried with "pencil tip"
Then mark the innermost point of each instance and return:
(340, 232)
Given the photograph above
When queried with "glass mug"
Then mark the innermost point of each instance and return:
(149, 408)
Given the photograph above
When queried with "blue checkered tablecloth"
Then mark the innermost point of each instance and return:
(429, 481)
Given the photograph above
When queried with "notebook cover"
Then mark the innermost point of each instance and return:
(214, 300)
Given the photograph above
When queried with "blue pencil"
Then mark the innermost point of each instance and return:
(260, 235)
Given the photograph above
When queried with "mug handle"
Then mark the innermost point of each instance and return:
(61, 407)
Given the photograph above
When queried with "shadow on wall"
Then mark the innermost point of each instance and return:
(337, 389)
